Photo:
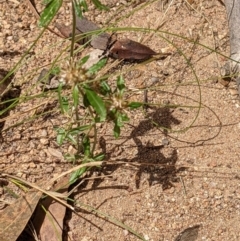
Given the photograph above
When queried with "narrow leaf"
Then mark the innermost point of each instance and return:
(96, 67)
(75, 175)
(75, 94)
(86, 146)
(135, 105)
(85, 101)
(116, 131)
(55, 70)
(99, 157)
(72, 139)
(120, 84)
(83, 4)
(45, 2)
(65, 105)
(83, 60)
(105, 88)
(79, 129)
(97, 103)
(78, 8)
(61, 133)
(49, 12)
(99, 5)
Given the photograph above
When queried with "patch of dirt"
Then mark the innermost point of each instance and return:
(186, 148)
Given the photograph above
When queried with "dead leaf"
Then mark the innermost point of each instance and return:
(129, 49)
(14, 218)
(189, 234)
(49, 216)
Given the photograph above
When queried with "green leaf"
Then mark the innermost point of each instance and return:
(97, 103)
(75, 175)
(70, 157)
(80, 6)
(65, 104)
(85, 101)
(119, 122)
(86, 146)
(99, 5)
(79, 129)
(72, 138)
(96, 67)
(45, 2)
(99, 157)
(105, 88)
(124, 117)
(83, 4)
(135, 105)
(120, 84)
(61, 134)
(78, 10)
(75, 95)
(55, 70)
(63, 101)
(83, 60)
(116, 131)
(49, 12)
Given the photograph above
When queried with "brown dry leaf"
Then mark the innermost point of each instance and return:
(49, 216)
(14, 218)
(49, 225)
(189, 234)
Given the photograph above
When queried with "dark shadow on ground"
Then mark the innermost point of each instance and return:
(152, 161)
(8, 97)
(160, 169)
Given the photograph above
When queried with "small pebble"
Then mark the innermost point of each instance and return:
(125, 232)
(165, 141)
(44, 141)
(32, 165)
(49, 169)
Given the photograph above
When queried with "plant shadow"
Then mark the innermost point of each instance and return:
(160, 169)
(8, 97)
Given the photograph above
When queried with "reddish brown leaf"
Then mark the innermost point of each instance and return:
(129, 49)
(49, 224)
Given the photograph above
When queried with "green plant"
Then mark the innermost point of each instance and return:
(100, 102)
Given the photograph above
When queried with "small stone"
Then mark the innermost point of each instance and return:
(55, 152)
(44, 141)
(125, 232)
(32, 165)
(233, 92)
(146, 237)
(32, 145)
(155, 79)
(49, 169)
(165, 141)
(44, 133)
(72, 150)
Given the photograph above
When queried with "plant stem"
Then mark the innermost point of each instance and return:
(73, 30)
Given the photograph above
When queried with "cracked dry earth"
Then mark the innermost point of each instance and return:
(186, 147)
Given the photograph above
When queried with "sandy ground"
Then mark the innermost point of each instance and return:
(186, 147)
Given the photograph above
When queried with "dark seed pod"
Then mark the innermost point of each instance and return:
(129, 49)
